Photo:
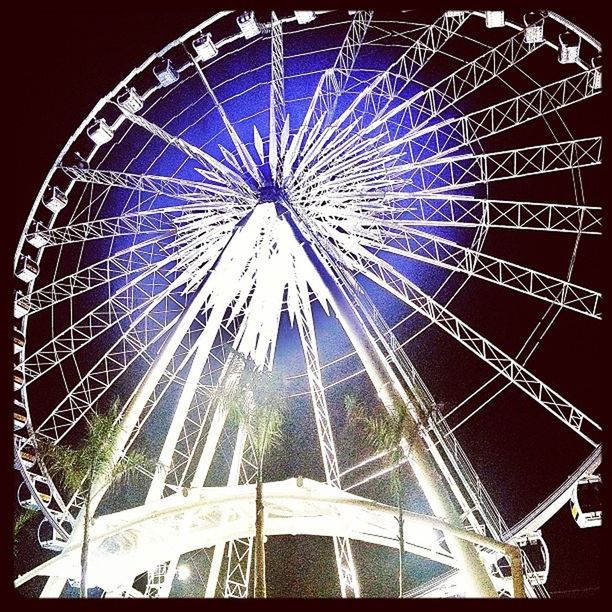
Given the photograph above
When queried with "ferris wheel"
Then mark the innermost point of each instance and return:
(384, 205)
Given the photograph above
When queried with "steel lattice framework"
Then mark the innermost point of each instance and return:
(283, 172)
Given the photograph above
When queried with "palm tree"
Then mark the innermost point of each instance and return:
(258, 405)
(79, 468)
(384, 432)
(20, 522)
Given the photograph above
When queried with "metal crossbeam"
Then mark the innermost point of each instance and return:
(334, 80)
(344, 557)
(146, 222)
(189, 437)
(243, 153)
(468, 170)
(467, 211)
(189, 191)
(277, 99)
(424, 106)
(81, 398)
(384, 88)
(240, 551)
(447, 254)
(98, 321)
(387, 277)
(217, 171)
(135, 259)
(182, 356)
(448, 136)
(329, 88)
(229, 376)
(319, 402)
(156, 221)
(205, 343)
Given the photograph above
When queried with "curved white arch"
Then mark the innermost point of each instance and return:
(129, 542)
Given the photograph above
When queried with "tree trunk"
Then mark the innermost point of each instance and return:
(400, 511)
(259, 550)
(85, 547)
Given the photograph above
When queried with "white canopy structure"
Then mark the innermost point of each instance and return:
(129, 541)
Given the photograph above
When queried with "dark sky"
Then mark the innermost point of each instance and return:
(69, 59)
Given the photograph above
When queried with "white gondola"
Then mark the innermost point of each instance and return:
(130, 100)
(18, 340)
(20, 416)
(49, 537)
(26, 451)
(534, 27)
(57, 201)
(596, 81)
(205, 47)
(18, 379)
(585, 503)
(27, 269)
(536, 560)
(22, 305)
(569, 47)
(248, 24)
(534, 549)
(165, 73)
(100, 132)
(28, 500)
(495, 19)
(304, 16)
(37, 236)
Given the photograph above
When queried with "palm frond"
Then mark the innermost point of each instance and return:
(257, 404)
(383, 431)
(22, 519)
(128, 468)
(77, 467)
(355, 408)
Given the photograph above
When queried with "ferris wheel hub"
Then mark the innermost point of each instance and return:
(271, 192)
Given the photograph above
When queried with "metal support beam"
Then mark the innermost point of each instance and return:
(390, 391)
(446, 137)
(387, 277)
(347, 573)
(182, 189)
(388, 83)
(422, 246)
(335, 79)
(243, 153)
(218, 171)
(424, 106)
(467, 170)
(277, 100)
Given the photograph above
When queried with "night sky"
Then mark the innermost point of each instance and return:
(70, 59)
